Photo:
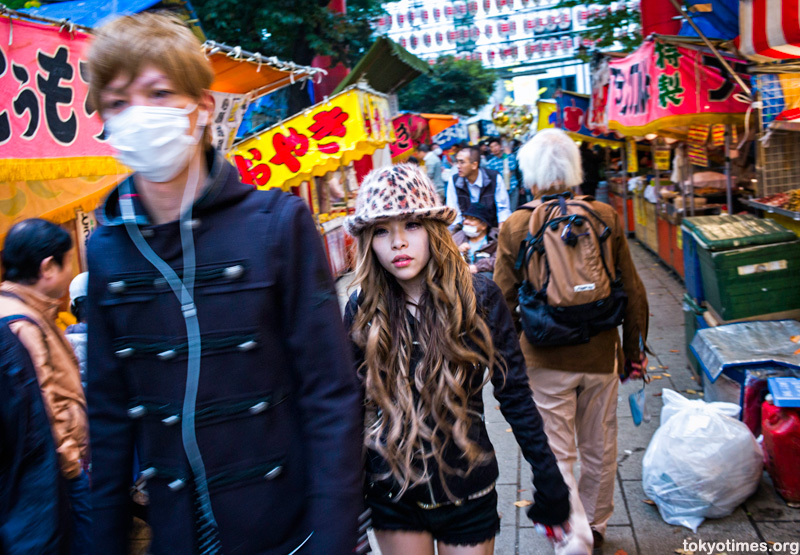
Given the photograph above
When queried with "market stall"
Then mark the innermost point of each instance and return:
(312, 155)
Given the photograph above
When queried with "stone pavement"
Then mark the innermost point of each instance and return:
(636, 528)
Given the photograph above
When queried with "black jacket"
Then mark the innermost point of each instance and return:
(34, 512)
(551, 500)
(278, 419)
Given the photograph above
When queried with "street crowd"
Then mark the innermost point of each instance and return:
(211, 370)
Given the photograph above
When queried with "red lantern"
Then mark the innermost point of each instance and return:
(403, 42)
(587, 42)
(529, 50)
(477, 56)
(401, 18)
(472, 6)
(568, 43)
(468, 56)
(551, 22)
(431, 62)
(504, 28)
(452, 36)
(426, 39)
(539, 25)
(488, 30)
(546, 47)
(487, 5)
(411, 17)
(437, 14)
(474, 33)
(439, 37)
(461, 8)
(501, 4)
(566, 20)
(422, 14)
(449, 11)
(583, 15)
(414, 41)
(491, 55)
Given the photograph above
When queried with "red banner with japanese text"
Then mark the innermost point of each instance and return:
(334, 133)
(47, 129)
(411, 131)
(666, 86)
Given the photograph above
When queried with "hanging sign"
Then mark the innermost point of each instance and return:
(47, 128)
(345, 128)
(229, 109)
(451, 136)
(410, 132)
(573, 110)
(662, 158)
(662, 85)
(632, 156)
(597, 119)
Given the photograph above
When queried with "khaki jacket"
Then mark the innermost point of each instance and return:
(603, 352)
(56, 369)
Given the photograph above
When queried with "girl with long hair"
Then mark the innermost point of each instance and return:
(427, 336)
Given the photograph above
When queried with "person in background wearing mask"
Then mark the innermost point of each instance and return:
(477, 240)
(37, 268)
(215, 341)
(76, 333)
(433, 167)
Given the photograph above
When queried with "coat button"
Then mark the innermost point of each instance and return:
(137, 412)
(116, 287)
(147, 473)
(166, 355)
(274, 473)
(233, 272)
(125, 353)
(259, 407)
(177, 485)
(247, 346)
(170, 420)
(191, 224)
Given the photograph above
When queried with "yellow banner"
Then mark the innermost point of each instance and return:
(546, 109)
(633, 157)
(345, 128)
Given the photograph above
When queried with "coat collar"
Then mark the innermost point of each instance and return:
(222, 186)
(32, 298)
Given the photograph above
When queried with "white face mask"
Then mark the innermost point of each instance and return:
(152, 140)
(470, 230)
(437, 151)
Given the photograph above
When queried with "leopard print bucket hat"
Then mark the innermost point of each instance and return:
(403, 190)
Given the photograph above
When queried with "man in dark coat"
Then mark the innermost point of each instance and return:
(215, 349)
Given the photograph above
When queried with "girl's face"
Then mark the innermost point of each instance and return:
(402, 248)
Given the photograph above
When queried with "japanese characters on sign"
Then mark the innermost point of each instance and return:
(347, 127)
(45, 118)
(229, 109)
(666, 85)
(411, 131)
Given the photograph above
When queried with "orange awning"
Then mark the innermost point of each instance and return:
(439, 122)
(238, 71)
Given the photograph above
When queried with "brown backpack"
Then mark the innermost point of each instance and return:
(571, 290)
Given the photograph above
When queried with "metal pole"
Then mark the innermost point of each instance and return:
(719, 56)
(625, 187)
(728, 176)
(684, 175)
(691, 169)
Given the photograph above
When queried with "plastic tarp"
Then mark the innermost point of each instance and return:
(769, 30)
(746, 344)
(717, 19)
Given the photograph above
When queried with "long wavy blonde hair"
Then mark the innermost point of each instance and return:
(455, 343)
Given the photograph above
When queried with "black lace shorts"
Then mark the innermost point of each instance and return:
(471, 523)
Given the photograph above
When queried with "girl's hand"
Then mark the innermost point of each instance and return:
(556, 534)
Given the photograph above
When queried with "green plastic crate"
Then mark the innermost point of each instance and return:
(718, 233)
(751, 281)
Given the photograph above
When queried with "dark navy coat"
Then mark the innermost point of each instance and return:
(278, 418)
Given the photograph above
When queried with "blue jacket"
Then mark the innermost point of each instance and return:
(278, 419)
(34, 514)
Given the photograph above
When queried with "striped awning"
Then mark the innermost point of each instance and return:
(769, 29)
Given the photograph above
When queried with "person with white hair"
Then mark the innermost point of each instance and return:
(575, 385)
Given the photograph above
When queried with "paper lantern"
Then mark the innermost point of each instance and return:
(488, 30)
(449, 11)
(439, 37)
(477, 56)
(529, 49)
(529, 25)
(432, 62)
(422, 15)
(506, 28)
(510, 4)
(426, 39)
(414, 41)
(452, 36)
(565, 21)
(539, 25)
(468, 56)
(472, 7)
(551, 24)
(501, 4)
(474, 33)
(437, 14)
(525, 3)
(403, 42)
(568, 43)
(487, 5)
(491, 55)
(460, 7)
(411, 17)
(583, 15)
(401, 19)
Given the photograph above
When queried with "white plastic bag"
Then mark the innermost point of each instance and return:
(701, 462)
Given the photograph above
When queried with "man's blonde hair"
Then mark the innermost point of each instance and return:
(130, 43)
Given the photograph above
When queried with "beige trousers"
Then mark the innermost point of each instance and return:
(580, 415)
